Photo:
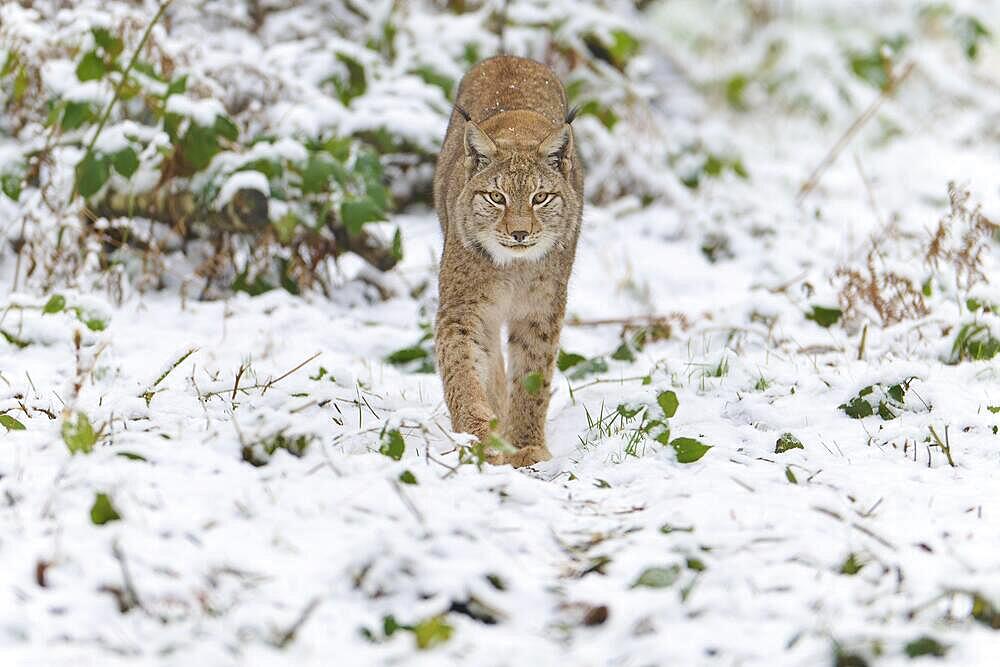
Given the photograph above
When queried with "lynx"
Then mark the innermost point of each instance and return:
(508, 189)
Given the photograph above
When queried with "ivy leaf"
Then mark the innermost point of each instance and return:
(825, 317)
(393, 445)
(79, 435)
(925, 645)
(55, 304)
(623, 353)
(432, 631)
(102, 511)
(224, 127)
(317, 173)
(406, 355)
(125, 162)
(199, 146)
(10, 423)
(11, 185)
(177, 86)
(91, 67)
(857, 408)
(668, 403)
(407, 477)
(787, 441)
(91, 174)
(532, 382)
(355, 213)
(76, 114)
(589, 367)
(689, 450)
(112, 45)
(658, 577)
(567, 360)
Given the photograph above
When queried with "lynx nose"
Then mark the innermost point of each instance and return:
(519, 236)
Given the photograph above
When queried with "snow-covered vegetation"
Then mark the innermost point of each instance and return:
(776, 416)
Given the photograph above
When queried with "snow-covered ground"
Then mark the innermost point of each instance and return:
(868, 544)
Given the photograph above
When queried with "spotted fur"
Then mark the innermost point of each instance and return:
(509, 194)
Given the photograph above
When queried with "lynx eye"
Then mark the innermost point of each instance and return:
(497, 198)
(540, 198)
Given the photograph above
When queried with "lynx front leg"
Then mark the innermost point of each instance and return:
(471, 367)
(533, 343)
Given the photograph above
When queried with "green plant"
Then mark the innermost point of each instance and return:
(878, 399)
(259, 453)
(974, 342)
(639, 424)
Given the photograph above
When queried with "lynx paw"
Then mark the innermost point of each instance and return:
(528, 456)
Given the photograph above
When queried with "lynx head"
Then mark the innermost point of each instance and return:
(518, 201)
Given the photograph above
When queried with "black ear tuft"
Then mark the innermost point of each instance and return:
(465, 114)
(571, 115)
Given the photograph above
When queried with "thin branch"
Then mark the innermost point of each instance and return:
(831, 157)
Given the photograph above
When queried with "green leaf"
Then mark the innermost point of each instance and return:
(623, 47)
(131, 456)
(857, 408)
(125, 162)
(925, 645)
(406, 355)
(393, 445)
(689, 450)
(10, 423)
(995, 409)
(623, 353)
(55, 304)
(434, 78)
(91, 67)
(432, 632)
(96, 324)
(356, 83)
(823, 316)
(567, 360)
(178, 86)
(852, 565)
(111, 44)
(78, 434)
(14, 340)
(318, 171)
(355, 213)
(76, 114)
(736, 86)
(91, 174)
(407, 477)
(397, 245)
(102, 511)
(790, 476)
(199, 146)
(696, 564)
(532, 382)
(224, 127)
(970, 31)
(668, 402)
(11, 185)
(589, 367)
(658, 577)
(20, 84)
(787, 441)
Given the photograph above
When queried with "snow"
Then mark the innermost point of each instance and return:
(241, 180)
(287, 563)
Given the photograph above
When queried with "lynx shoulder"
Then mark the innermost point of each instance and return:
(508, 190)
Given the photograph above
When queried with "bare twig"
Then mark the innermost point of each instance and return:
(831, 157)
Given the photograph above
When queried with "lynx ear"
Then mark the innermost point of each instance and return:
(479, 148)
(556, 148)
